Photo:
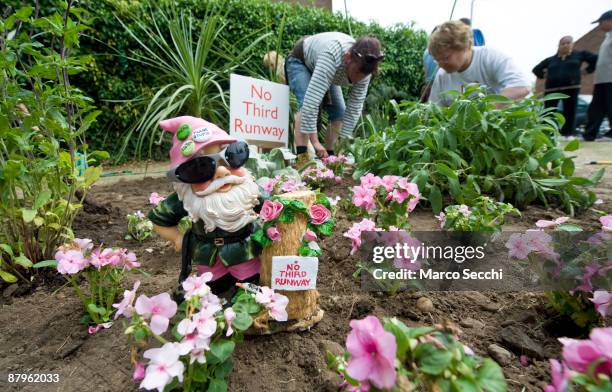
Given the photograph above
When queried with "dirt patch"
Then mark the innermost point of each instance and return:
(40, 332)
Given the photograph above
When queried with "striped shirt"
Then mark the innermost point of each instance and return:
(324, 57)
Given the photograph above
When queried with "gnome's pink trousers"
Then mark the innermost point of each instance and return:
(241, 271)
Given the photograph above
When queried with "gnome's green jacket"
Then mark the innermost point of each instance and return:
(232, 247)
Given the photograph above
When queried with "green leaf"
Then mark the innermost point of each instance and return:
(551, 155)
(569, 227)
(217, 385)
(242, 322)
(42, 198)
(325, 229)
(432, 360)
(96, 309)
(465, 385)
(447, 171)
(572, 146)
(6, 248)
(286, 216)
(490, 377)
(45, 263)
(597, 176)
(221, 350)
(199, 374)
(567, 167)
(8, 277)
(28, 215)
(435, 198)
(552, 182)
(23, 261)
(24, 13)
(224, 370)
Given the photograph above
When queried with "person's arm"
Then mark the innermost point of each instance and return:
(354, 105)
(434, 95)
(515, 93)
(320, 81)
(539, 69)
(590, 59)
(166, 216)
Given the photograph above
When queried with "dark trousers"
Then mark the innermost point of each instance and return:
(569, 109)
(600, 107)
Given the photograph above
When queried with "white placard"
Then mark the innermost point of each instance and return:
(259, 110)
(294, 273)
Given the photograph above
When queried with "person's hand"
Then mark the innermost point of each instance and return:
(319, 149)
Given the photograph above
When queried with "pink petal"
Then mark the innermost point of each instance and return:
(159, 324)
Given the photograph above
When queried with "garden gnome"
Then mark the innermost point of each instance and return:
(218, 195)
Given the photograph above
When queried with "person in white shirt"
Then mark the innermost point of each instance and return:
(461, 63)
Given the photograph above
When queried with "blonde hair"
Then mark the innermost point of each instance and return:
(453, 35)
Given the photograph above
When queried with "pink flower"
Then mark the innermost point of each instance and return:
(163, 367)
(264, 296)
(372, 353)
(465, 210)
(310, 235)
(389, 182)
(468, 351)
(269, 186)
(91, 330)
(518, 247)
(155, 198)
(354, 233)
(205, 322)
(289, 186)
(333, 202)
(229, 316)
(125, 306)
(400, 195)
(277, 307)
(540, 242)
(70, 262)
(196, 285)
(542, 223)
(524, 360)
(603, 302)
(270, 210)
(139, 371)
(578, 354)
(273, 233)
(319, 214)
(159, 308)
(83, 243)
(363, 197)
(442, 219)
(370, 181)
(606, 223)
(560, 375)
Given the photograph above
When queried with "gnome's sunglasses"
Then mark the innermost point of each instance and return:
(202, 168)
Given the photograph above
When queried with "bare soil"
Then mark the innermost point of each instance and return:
(40, 331)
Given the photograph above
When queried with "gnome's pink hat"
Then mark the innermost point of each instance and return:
(191, 134)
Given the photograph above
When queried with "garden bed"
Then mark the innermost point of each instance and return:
(40, 331)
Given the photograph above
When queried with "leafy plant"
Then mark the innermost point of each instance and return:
(197, 355)
(103, 269)
(485, 215)
(193, 74)
(139, 227)
(43, 122)
(423, 358)
(271, 164)
(473, 147)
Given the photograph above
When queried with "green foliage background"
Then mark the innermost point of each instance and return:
(112, 77)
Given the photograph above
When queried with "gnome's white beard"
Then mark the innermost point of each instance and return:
(230, 211)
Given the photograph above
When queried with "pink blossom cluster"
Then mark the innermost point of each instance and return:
(521, 245)
(283, 184)
(393, 188)
(155, 198)
(579, 355)
(354, 233)
(274, 302)
(320, 177)
(75, 257)
(335, 159)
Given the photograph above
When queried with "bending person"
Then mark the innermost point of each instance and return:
(461, 64)
(320, 64)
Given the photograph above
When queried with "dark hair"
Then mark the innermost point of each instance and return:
(366, 52)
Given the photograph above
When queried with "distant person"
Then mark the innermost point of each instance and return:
(562, 73)
(322, 63)
(276, 64)
(462, 64)
(601, 105)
